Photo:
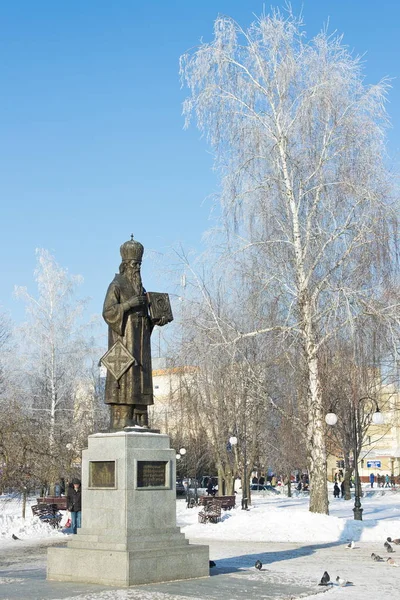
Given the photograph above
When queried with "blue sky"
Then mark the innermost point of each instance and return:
(92, 141)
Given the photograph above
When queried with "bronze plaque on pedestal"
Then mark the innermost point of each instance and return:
(102, 474)
(152, 473)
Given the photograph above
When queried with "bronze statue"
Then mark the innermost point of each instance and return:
(130, 316)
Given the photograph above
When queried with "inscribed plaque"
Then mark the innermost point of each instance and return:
(151, 473)
(102, 474)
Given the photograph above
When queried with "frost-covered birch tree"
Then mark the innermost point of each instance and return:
(53, 354)
(299, 142)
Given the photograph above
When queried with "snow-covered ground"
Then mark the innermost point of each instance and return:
(275, 518)
(283, 519)
(310, 543)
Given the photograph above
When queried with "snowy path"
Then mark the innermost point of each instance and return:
(289, 571)
(295, 547)
(371, 580)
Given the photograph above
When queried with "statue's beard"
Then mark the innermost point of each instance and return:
(136, 280)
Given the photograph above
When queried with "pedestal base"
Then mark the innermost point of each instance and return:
(129, 534)
(122, 569)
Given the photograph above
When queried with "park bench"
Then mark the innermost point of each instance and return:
(225, 502)
(211, 513)
(47, 513)
(59, 501)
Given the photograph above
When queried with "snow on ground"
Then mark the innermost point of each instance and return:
(283, 519)
(273, 518)
(293, 544)
(12, 523)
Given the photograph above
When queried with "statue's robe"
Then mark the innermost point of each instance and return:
(133, 328)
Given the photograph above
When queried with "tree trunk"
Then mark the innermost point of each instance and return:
(221, 481)
(24, 503)
(289, 486)
(346, 480)
(316, 422)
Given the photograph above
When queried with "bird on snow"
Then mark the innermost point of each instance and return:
(258, 565)
(392, 562)
(396, 541)
(343, 582)
(388, 547)
(351, 545)
(376, 557)
(325, 579)
(211, 564)
(14, 537)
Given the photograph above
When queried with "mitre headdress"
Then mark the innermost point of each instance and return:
(132, 250)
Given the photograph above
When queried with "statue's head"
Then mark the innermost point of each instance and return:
(132, 251)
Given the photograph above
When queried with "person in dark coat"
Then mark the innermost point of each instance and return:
(342, 489)
(336, 491)
(74, 504)
(210, 488)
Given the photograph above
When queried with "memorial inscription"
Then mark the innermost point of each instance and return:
(152, 473)
(102, 474)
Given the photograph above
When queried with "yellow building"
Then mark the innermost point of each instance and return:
(380, 452)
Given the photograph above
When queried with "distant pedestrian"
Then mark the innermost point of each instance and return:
(336, 491)
(372, 479)
(74, 504)
(387, 480)
(210, 488)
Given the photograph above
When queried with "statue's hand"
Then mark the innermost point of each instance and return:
(136, 302)
(162, 321)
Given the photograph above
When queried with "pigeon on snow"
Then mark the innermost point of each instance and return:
(258, 565)
(351, 545)
(343, 582)
(14, 537)
(392, 562)
(325, 579)
(376, 557)
(388, 547)
(396, 541)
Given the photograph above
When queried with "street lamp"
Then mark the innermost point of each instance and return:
(233, 442)
(377, 419)
(180, 455)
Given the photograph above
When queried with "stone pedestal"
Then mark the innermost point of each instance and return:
(129, 534)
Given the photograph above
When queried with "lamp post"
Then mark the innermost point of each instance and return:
(233, 442)
(179, 456)
(377, 419)
(181, 453)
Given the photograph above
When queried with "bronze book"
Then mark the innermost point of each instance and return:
(159, 306)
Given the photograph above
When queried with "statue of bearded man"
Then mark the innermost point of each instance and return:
(126, 312)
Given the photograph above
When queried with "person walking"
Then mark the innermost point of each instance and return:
(387, 480)
(372, 480)
(336, 490)
(74, 504)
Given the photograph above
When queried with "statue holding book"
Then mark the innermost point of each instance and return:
(131, 315)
